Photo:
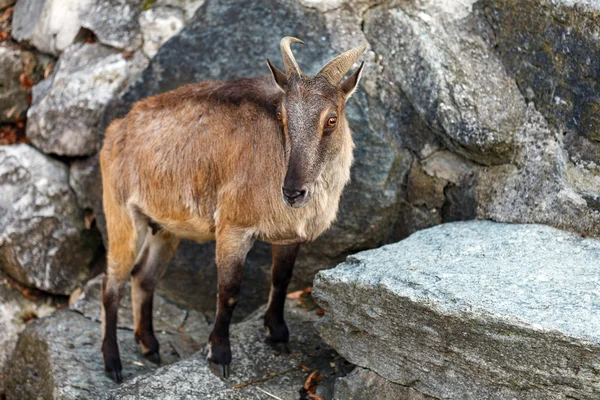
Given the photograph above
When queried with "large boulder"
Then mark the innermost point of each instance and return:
(362, 384)
(16, 311)
(68, 106)
(471, 310)
(43, 239)
(59, 357)
(51, 27)
(255, 368)
(13, 95)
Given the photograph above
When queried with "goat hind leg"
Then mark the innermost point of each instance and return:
(156, 253)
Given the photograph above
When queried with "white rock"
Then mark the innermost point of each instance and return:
(158, 25)
(64, 117)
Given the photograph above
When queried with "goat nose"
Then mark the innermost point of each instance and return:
(294, 195)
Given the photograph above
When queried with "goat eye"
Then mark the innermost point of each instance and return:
(279, 117)
(331, 121)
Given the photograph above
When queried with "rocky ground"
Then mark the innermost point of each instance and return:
(467, 109)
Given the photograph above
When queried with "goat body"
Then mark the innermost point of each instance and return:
(207, 162)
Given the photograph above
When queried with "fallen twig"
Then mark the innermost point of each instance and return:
(266, 378)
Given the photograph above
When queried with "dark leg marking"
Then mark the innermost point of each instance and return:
(284, 258)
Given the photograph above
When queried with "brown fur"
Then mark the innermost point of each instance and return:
(207, 161)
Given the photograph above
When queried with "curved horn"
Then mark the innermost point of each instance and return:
(291, 66)
(335, 69)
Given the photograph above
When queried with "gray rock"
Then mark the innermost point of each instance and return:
(252, 361)
(557, 59)
(472, 310)
(43, 240)
(362, 384)
(167, 317)
(13, 96)
(188, 6)
(158, 25)
(51, 27)
(450, 76)
(47, 24)
(114, 22)
(59, 357)
(15, 311)
(65, 113)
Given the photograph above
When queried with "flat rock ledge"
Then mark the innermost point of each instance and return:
(256, 368)
(471, 310)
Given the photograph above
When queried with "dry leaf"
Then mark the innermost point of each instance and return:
(295, 295)
(4, 35)
(320, 312)
(48, 70)
(25, 80)
(127, 55)
(310, 385)
(7, 14)
(89, 220)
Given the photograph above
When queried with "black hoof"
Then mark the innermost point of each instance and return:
(219, 370)
(153, 356)
(277, 332)
(113, 369)
(279, 347)
(116, 376)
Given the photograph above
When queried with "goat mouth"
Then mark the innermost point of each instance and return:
(296, 203)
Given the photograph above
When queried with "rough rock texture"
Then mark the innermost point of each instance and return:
(47, 24)
(471, 310)
(370, 204)
(362, 384)
(13, 96)
(114, 22)
(59, 357)
(167, 316)
(15, 312)
(43, 240)
(158, 25)
(252, 360)
(466, 101)
(67, 108)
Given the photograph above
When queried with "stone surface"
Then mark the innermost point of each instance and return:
(252, 360)
(472, 310)
(167, 317)
(449, 76)
(158, 25)
(13, 96)
(362, 384)
(43, 240)
(15, 312)
(53, 25)
(49, 25)
(67, 109)
(113, 22)
(59, 357)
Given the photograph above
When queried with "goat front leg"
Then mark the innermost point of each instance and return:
(284, 257)
(233, 245)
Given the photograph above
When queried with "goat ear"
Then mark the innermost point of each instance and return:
(350, 84)
(279, 77)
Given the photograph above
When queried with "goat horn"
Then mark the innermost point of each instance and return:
(335, 69)
(291, 66)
